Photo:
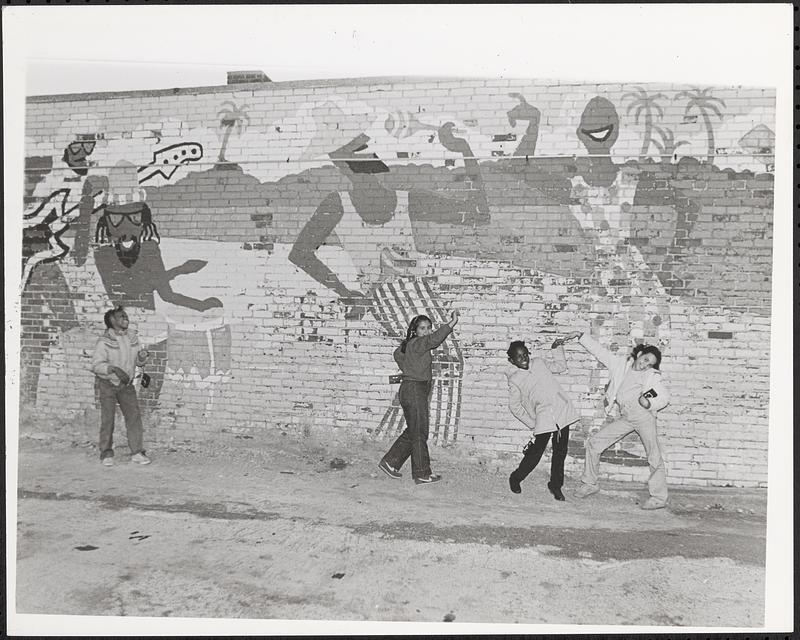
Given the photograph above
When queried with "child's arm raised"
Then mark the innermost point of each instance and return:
(593, 347)
(433, 340)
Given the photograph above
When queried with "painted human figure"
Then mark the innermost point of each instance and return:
(374, 226)
(601, 199)
(600, 195)
(128, 256)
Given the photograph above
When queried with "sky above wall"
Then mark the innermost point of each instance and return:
(86, 49)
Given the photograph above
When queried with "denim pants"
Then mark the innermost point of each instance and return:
(531, 459)
(414, 398)
(125, 396)
(644, 424)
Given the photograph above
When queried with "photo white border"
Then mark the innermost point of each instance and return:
(719, 44)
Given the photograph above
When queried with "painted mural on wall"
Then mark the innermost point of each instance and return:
(123, 227)
(370, 211)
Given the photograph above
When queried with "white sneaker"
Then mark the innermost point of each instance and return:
(653, 503)
(586, 490)
(140, 458)
(108, 461)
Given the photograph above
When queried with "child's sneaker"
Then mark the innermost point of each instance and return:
(428, 479)
(586, 490)
(389, 470)
(140, 458)
(654, 503)
(108, 461)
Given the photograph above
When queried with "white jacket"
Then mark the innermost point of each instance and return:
(536, 398)
(618, 366)
(112, 350)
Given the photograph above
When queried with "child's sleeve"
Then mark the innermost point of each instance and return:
(140, 360)
(597, 350)
(517, 408)
(100, 365)
(432, 340)
(663, 396)
(556, 359)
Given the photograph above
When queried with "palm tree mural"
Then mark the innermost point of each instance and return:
(703, 101)
(642, 102)
(231, 117)
(668, 145)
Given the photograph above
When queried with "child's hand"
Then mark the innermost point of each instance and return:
(123, 377)
(644, 402)
(454, 317)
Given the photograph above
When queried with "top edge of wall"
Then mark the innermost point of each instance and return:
(328, 82)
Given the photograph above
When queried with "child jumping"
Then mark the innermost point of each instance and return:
(537, 400)
(636, 385)
(413, 356)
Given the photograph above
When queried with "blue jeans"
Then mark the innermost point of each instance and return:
(413, 442)
(125, 396)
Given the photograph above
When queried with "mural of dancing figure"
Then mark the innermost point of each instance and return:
(374, 226)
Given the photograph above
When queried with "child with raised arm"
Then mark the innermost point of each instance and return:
(637, 386)
(413, 356)
(537, 400)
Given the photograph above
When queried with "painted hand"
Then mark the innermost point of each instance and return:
(450, 142)
(523, 111)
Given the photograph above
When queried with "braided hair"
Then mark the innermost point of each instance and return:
(412, 330)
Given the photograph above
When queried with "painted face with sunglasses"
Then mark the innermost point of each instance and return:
(76, 155)
(127, 226)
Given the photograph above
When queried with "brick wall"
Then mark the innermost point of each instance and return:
(271, 244)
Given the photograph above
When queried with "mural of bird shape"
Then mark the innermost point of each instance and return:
(404, 124)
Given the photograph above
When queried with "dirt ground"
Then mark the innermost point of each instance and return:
(267, 527)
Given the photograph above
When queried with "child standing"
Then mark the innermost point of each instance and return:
(636, 385)
(115, 357)
(538, 401)
(413, 356)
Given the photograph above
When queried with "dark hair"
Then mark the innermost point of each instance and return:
(639, 349)
(110, 313)
(512, 348)
(412, 330)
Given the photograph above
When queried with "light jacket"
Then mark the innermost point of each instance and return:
(112, 350)
(618, 366)
(537, 400)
